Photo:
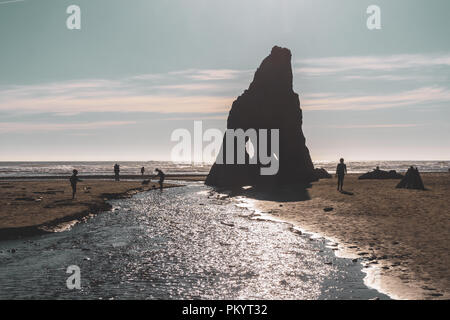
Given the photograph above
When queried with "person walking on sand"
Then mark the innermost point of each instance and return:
(116, 172)
(341, 170)
(142, 171)
(73, 182)
(161, 176)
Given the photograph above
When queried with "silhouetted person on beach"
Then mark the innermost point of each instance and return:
(73, 182)
(116, 172)
(161, 176)
(341, 170)
(142, 171)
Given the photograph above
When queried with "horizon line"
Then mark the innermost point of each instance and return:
(207, 163)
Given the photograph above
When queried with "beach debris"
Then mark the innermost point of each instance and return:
(145, 182)
(381, 174)
(229, 224)
(328, 209)
(269, 102)
(49, 191)
(321, 173)
(428, 288)
(329, 263)
(436, 294)
(284, 282)
(295, 230)
(411, 180)
(25, 199)
(355, 260)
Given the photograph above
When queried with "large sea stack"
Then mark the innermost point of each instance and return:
(268, 103)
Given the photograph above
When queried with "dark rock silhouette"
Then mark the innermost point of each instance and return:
(321, 173)
(381, 174)
(412, 180)
(268, 103)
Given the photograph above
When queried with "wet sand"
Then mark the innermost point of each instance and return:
(37, 206)
(402, 236)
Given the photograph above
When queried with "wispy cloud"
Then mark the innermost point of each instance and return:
(375, 126)
(118, 103)
(164, 93)
(26, 127)
(335, 101)
(333, 65)
(11, 1)
(210, 74)
(213, 90)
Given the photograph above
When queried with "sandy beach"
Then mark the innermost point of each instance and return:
(35, 206)
(385, 228)
(402, 236)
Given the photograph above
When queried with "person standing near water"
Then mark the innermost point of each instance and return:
(116, 172)
(161, 176)
(341, 170)
(142, 171)
(73, 182)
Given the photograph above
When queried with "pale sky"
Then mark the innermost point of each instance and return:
(137, 70)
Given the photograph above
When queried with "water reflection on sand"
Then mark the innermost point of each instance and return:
(183, 243)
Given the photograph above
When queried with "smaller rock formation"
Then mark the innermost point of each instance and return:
(412, 180)
(381, 174)
(321, 173)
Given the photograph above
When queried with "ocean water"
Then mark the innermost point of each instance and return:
(179, 243)
(23, 169)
